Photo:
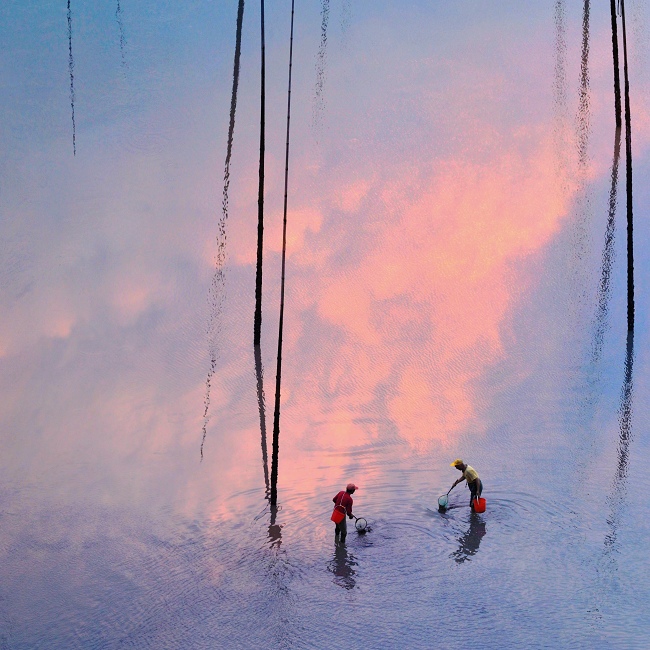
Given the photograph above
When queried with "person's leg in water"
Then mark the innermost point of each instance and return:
(473, 487)
(342, 530)
(476, 489)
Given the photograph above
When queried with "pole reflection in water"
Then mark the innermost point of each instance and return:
(604, 287)
(259, 374)
(583, 132)
(559, 82)
(469, 542)
(275, 530)
(120, 24)
(617, 496)
(583, 126)
(628, 182)
(218, 287)
(617, 77)
(321, 71)
(71, 71)
(257, 325)
(341, 566)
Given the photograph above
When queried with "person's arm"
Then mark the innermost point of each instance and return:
(349, 509)
(460, 480)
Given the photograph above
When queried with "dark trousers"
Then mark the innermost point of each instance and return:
(476, 489)
(342, 530)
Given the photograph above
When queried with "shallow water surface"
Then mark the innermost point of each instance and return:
(456, 286)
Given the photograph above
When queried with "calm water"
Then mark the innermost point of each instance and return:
(456, 286)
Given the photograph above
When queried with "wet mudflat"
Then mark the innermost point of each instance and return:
(456, 285)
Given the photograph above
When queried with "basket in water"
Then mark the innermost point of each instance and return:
(443, 501)
(338, 514)
(361, 524)
(479, 504)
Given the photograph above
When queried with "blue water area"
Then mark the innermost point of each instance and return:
(457, 286)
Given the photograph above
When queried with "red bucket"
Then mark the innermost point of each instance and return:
(479, 504)
(338, 514)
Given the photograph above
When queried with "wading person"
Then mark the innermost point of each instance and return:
(343, 501)
(471, 476)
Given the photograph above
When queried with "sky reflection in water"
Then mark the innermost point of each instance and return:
(450, 224)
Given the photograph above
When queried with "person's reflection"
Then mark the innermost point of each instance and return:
(275, 530)
(341, 566)
(469, 542)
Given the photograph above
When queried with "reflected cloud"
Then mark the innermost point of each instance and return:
(408, 256)
(420, 305)
(421, 265)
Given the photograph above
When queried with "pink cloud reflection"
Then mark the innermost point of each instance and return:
(422, 307)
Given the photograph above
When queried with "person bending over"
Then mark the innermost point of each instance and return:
(471, 476)
(344, 498)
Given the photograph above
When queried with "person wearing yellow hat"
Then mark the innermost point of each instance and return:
(344, 499)
(471, 476)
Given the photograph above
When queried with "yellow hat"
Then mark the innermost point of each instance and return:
(457, 462)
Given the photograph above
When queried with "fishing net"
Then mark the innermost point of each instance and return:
(361, 524)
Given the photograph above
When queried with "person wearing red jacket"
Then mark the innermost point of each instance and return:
(344, 498)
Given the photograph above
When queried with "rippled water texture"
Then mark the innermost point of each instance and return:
(456, 286)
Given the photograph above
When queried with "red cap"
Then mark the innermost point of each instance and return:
(351, 486)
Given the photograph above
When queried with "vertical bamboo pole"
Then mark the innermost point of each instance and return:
(278, 375)
(628, 182)
(260, 193)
